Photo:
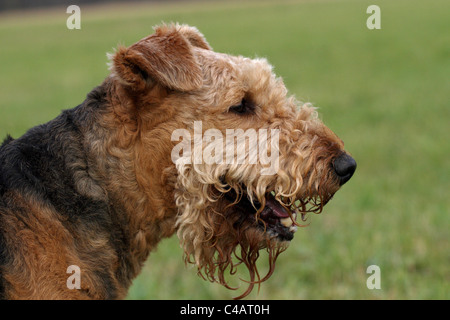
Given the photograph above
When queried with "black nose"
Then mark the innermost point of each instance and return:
(344, 166)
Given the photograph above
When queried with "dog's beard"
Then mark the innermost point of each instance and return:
(224, 223)
(231, 239)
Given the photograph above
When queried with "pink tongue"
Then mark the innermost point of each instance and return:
(277, 208)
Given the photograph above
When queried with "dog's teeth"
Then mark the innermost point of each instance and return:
(287, 222)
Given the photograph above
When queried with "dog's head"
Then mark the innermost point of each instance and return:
(250, 161)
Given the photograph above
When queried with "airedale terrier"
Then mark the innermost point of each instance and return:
(144, 157)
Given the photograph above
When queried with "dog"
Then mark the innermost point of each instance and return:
(144, 157)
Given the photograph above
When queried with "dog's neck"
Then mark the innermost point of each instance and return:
(128, 166)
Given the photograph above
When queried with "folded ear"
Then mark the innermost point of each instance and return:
(165, 57)
(194, 36)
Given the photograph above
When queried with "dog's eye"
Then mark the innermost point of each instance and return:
(244, 107)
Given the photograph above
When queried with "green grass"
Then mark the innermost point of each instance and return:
(384, 92)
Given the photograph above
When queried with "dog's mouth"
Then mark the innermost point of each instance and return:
(278, 220)
(278, 217)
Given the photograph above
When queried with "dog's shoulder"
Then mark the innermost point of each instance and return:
(3, 249)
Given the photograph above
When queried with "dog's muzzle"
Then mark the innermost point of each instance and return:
(344, 166)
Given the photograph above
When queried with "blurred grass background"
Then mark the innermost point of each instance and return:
(384, 92)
